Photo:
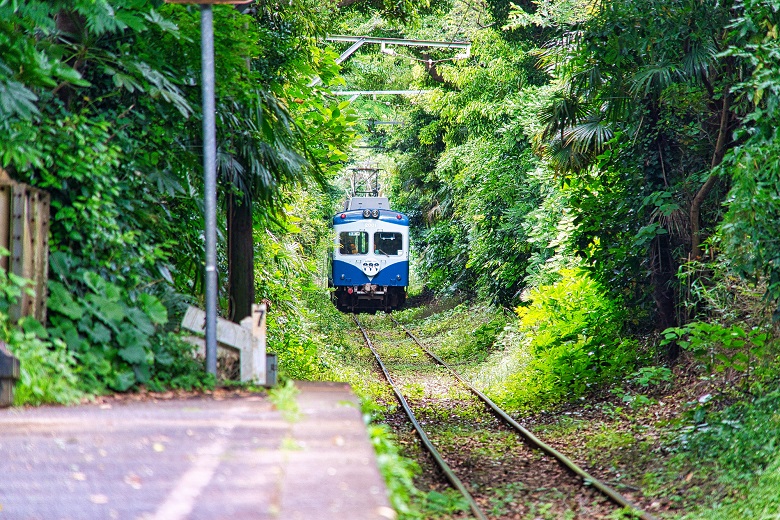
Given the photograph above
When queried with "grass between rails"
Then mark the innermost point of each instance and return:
(682, 444)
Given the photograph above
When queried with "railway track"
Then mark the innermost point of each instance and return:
(501, 469)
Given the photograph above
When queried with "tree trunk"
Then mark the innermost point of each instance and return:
(241, 258)
(430, 67)
(717, 158)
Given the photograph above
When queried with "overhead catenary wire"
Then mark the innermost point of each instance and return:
(454, 34)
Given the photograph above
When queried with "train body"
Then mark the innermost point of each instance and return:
(369, 264)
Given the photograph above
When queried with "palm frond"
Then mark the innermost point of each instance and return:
(698, 60)
(564, 111)
(263, 148)
(591, 135)
(653, 79)
(564, 157)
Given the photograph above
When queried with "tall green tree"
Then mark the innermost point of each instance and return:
(749, 229)
(646, 78)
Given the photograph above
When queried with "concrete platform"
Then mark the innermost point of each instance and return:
(197, 458)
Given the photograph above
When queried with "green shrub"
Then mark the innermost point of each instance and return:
(115, 335)
(175, 365)
(566, 342)
(719, 347)
(742, 438)
(297, 349)
(397, 471)
(47, 369)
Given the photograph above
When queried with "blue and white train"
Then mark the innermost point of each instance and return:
(370, 259)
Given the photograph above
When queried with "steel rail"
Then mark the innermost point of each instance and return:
(451, 477)
(588, 479)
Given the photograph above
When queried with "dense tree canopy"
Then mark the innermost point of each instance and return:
(99, 104)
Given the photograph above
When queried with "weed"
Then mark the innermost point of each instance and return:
(48, 371)
(761, 501)
(607, 445)
(413, 390)
(446, 503)
(504, 497)
(283, 398)
(397, 471)
(290, 444)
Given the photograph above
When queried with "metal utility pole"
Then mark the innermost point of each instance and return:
(209, 169)
(210, 182)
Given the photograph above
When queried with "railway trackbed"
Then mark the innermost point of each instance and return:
(501, 469)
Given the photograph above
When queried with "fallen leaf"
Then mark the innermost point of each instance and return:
(386, 512)
(133, 480)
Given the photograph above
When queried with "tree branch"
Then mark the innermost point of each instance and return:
(717, 158)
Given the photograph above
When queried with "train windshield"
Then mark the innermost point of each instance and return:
(390, 244)
(353, 243)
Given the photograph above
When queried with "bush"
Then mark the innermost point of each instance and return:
(566, 342)
(742, 437)
(397, 471)
(115, 334)
(47, 369)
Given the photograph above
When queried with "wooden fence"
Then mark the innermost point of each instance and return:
(24, 231)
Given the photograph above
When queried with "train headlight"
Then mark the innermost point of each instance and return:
(343, 215)
(375, 213)
(366, 213)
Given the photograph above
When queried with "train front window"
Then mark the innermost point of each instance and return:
(353, 243)
(390, 244)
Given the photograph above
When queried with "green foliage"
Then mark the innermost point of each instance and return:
(114, 334)
(176, 366)
(721, 347)
(605, 212)
(285, 265)
(397, 471)
(752, 165)
(283, 398)
(106, 120)
(49, 373)
(761, 500)
(646, 379)
(448, 502)
(48, 369)
(567, 342)
(464, 176)
(652, 376)
(741, 440)
(464, 334)
(484, 337)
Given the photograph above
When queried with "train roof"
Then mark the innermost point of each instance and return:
(356, 215)
(367, 203)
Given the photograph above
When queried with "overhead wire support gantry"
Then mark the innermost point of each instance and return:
(358, 41)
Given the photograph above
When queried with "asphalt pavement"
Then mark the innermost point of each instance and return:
(192, 458)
